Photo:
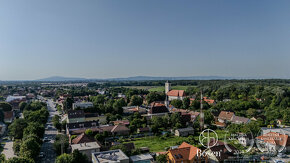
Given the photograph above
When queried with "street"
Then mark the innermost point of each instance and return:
(50, 133)
(8, 150)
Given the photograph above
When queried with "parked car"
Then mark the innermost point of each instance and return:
(41, 155)
(282, 155)
(45, 139)
(279, 161)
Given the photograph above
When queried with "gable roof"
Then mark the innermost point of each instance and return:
(225, 115)
(184, 152)
(275, 138)
(119, 128)
(124, 122)
(176, 93)
(8, 114)
(158, 108)
(206, 99)
(83, 138)
(239, 119)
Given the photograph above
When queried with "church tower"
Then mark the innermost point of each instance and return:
(167, 87)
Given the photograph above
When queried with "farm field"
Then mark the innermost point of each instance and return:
(159, 88)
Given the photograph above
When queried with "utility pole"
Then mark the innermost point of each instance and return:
(201, 117)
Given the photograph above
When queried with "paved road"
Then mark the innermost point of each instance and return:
(8, 150)
(50, 133)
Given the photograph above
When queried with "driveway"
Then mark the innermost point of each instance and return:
(8, 149)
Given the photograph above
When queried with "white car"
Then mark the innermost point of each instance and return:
(45, 139)
(279, 161)
(282, 155)
(41, 155)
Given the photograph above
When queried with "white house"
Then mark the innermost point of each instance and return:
(82, 105)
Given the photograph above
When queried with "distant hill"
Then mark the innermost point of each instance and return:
(135, 78)
(139, 78)
(60, 78)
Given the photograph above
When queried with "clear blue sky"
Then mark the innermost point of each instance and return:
(121, 38)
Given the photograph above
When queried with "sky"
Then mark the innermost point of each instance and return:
(123, 38)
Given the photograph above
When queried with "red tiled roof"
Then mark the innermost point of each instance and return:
(275, 138)
(124, 122)
(119, 128)
(83, 138)
(220, 124)
(184, 152)
(206, 99)
(8, 114)
(226, 115)
(176, 93)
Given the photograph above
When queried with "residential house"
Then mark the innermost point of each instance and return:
(245, 139)
(82, 138)
(266, 130)
(120, 95)
(122, 122)
(113, 156)
(240, 120)
(8, 116)
(74, 116)
(142, 158)
(128, 110)
(87, 148)
(82, 105)
(30, 96)
(225, 116)
(219, 152)
(184, 131)
(184, 113)
(78, 128)
(15, 97)
(15, 103)
(185, 153)
(220, 124)
(156, 109)
(209, 101)
(273, 141)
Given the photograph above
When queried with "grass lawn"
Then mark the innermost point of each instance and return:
(156, 143)
(140, 87)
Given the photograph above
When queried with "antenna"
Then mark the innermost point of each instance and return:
(201, 117)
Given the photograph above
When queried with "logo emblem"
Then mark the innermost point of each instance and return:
(208, 138)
